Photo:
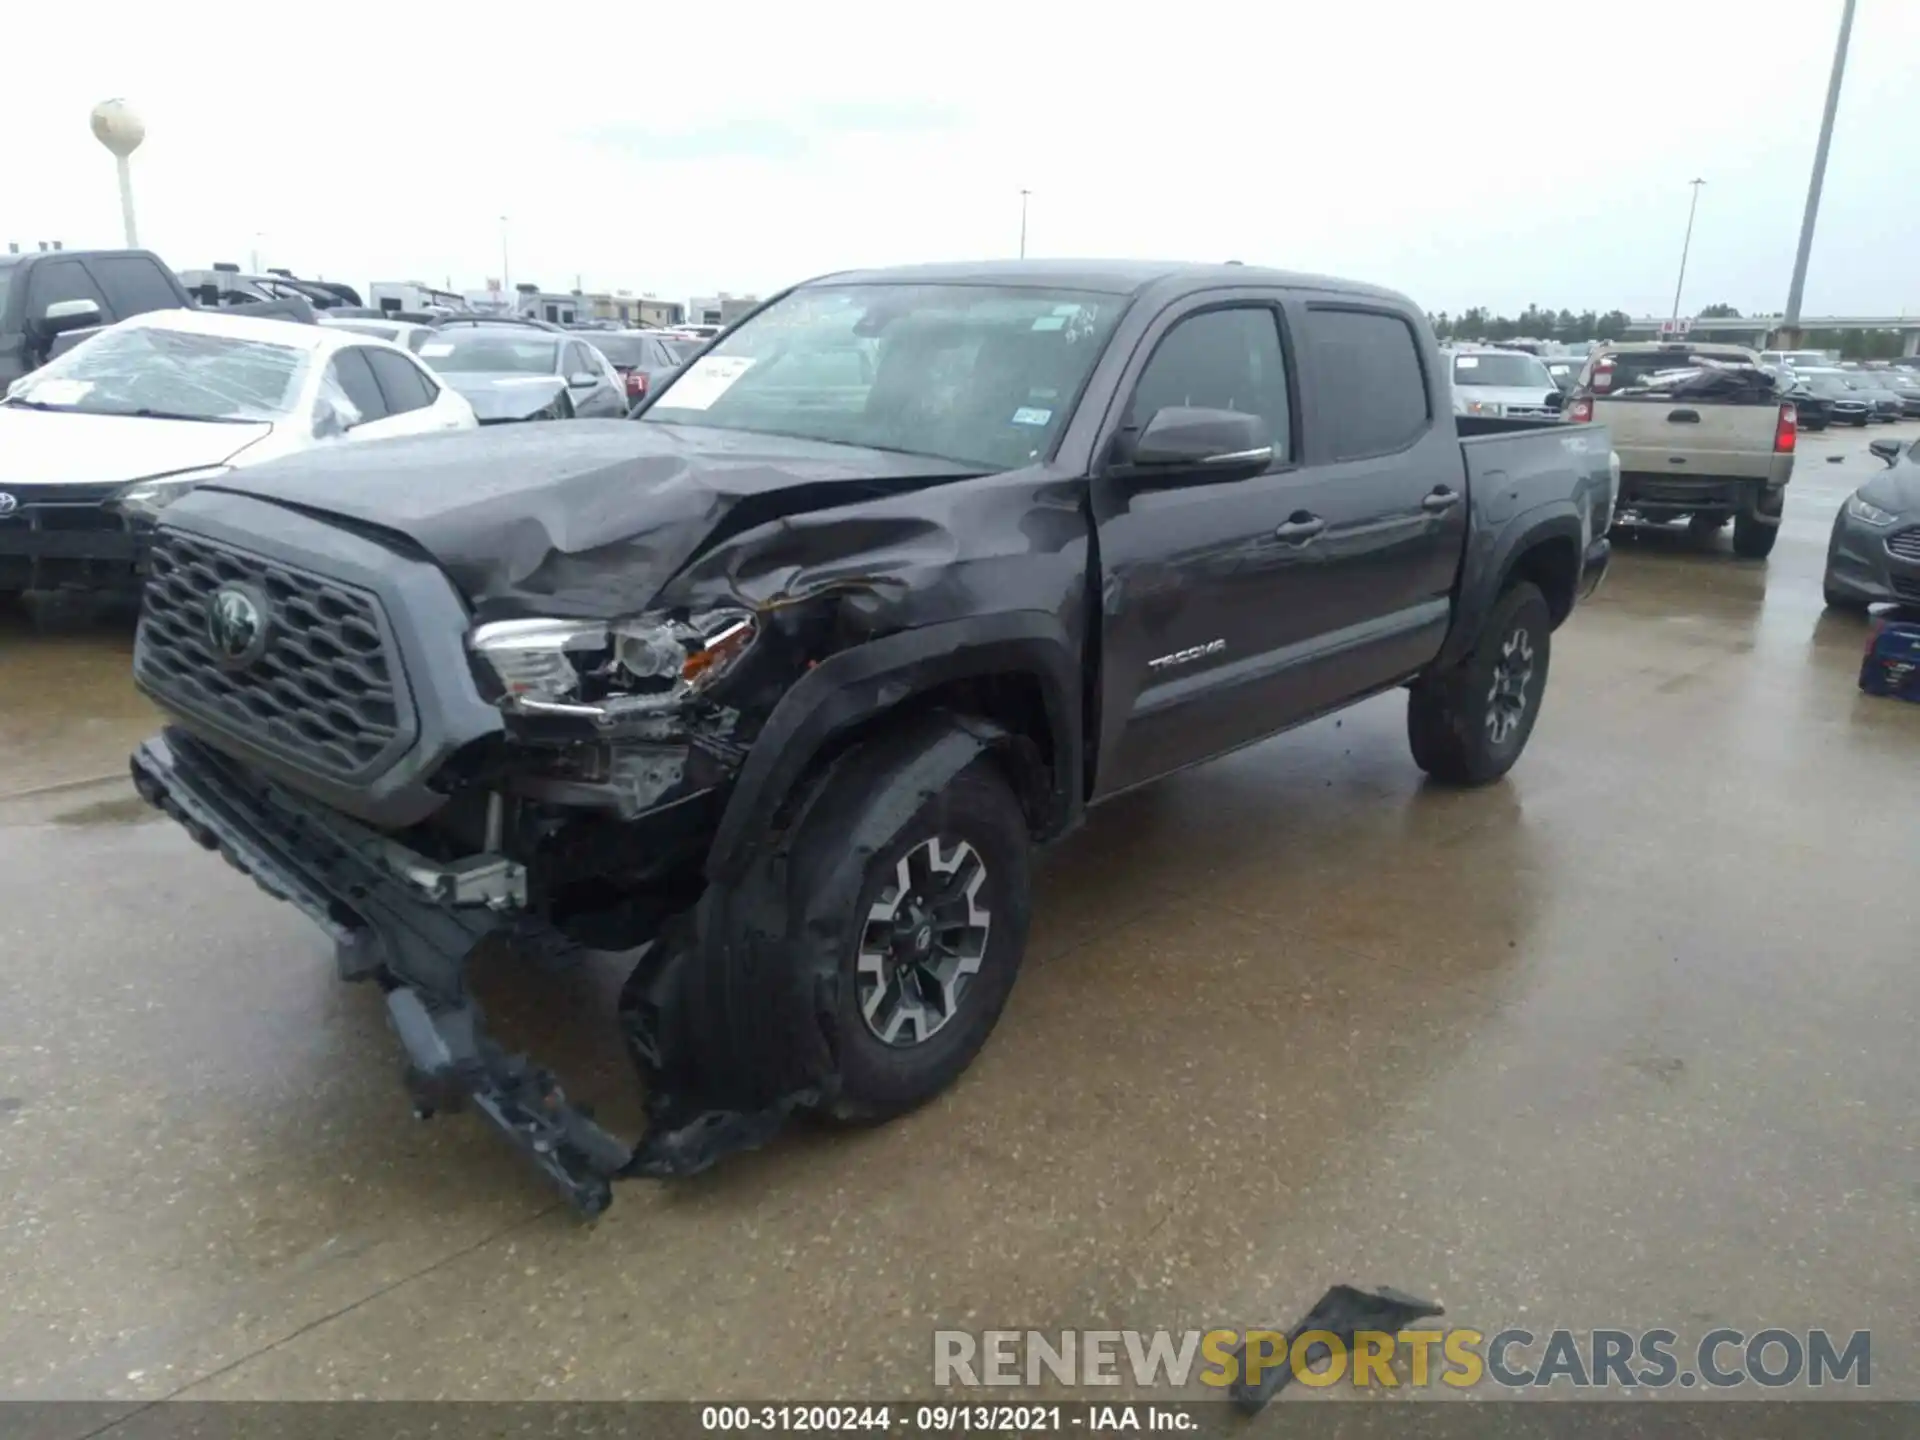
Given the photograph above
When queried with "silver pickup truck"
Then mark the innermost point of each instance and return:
(1716, 445)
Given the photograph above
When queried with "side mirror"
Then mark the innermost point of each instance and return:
(64, 315)
(1887, 450)
(581, 379)
(327, 420)
(1223, 440)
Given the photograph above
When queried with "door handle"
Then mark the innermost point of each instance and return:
(1684, 417)
(1440, 501)
(1300, 527)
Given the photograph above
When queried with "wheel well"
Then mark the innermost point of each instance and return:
(1554, 566)
(1014, 702)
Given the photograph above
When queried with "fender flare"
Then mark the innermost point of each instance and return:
(867, 680)
(1486, 574)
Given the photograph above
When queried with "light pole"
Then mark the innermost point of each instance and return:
(1023, 223)
(1685, 245)
(116, 126)
(1791, 320)
(506, 274)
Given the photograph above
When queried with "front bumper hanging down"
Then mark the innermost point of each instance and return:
(395, 918)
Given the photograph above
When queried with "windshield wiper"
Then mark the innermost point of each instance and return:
(145, 414)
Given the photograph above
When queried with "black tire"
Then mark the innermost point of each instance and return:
(1459, 732)
(750, 1004)
(1753, 538)
(846, 866)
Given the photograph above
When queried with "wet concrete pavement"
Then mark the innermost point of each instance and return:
(1623, 1041)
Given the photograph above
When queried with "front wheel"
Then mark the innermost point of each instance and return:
(1753, 538)
(1468, 725)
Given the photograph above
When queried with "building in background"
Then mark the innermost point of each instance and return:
(412, 297)
(721, 309)
(626, 308)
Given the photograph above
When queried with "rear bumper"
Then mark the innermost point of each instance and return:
(1655, 493)
(374, 900)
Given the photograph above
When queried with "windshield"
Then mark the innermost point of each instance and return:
(499, 351)
(177, 373)
(1518, 371)
(981, 375)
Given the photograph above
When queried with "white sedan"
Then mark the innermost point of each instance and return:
(98, 440)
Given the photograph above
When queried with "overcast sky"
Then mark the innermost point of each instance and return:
(1492, 152)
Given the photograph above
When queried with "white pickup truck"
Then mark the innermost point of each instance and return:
(1700, 430)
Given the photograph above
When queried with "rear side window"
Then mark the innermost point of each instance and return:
(1366, 368)
(400, 381)
(1220, 360)
(134, 284)
(350, 372)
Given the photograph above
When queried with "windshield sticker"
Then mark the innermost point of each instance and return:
(1031, 415)
(706, 380)
(436, 347)
(1466, 362)
(59, 392)
(1051, 322)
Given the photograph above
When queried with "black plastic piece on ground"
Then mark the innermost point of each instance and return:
(1343, 1312)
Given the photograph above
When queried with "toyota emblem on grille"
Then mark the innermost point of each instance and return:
(8, 504)
(237, 625)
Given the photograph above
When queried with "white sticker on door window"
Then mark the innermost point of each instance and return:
(705, 381)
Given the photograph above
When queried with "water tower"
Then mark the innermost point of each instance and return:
(120, 129)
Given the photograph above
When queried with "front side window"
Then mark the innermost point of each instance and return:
(349, 374)
(178, 374)
(1219, 360)
(1367, 365)
(984, 376)
(481, 351)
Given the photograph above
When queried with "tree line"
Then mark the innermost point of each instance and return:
(1534, 323)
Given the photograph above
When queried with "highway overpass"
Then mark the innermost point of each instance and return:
(1767, 332)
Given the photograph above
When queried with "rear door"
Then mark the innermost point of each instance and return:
(1659, 435)
(409, 393)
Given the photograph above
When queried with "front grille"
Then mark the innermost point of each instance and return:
(322, 694)
(1906, 544)
(1906, 589)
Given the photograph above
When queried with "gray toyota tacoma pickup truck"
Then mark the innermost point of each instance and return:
(780, 683)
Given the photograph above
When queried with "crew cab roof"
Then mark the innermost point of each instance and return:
(1115, 277)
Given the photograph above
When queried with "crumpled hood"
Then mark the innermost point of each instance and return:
(505, 396)
(64, 447)
(587, 518)
(1897, 490)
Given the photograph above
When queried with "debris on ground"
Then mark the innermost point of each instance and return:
(1342, 1312)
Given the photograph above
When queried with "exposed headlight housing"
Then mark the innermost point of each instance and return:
(147, 497)
(1868, 513)
(1485, 407)
(605, 671)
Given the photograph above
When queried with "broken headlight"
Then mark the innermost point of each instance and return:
(606, 670)
(145, 498)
